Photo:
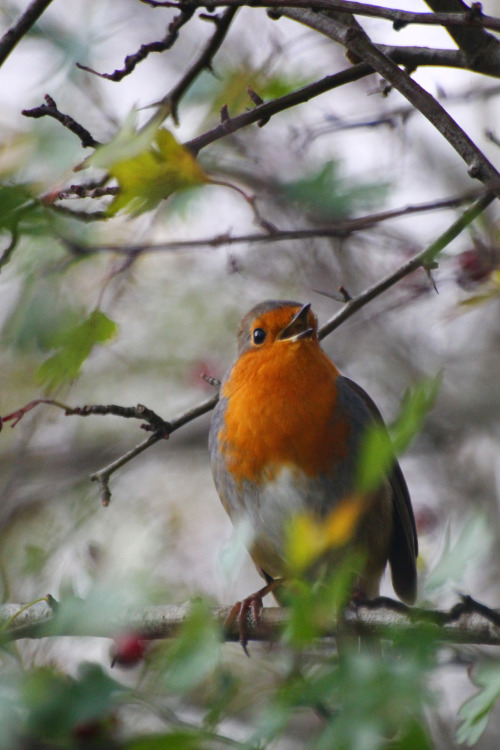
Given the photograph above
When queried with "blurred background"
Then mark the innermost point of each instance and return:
(350, 152)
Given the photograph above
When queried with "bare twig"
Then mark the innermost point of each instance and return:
(50, 110)
(204, 62)
(468, 621)
(161, 428)
(339, 230)
(186, 13)
(21, 27)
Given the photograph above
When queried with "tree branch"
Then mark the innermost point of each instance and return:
(161, 428)
(476, 43)
(467, 622)
(21, 27)
(463, 17)
(356, 41)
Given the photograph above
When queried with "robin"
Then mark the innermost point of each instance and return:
(285, 440)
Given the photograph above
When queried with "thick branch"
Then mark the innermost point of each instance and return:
(467, 622)
(21, 27)
(477, 44)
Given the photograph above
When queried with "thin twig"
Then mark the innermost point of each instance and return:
(21, 27)
(339, 230)
(186, 12)
(204, 62)
(50, 110)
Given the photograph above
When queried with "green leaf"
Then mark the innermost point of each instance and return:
(149, 165)
(74, 346)
(195, 652)
(380, 444)
(172, 741)
(57, 703)
(153, 175)
(475, 712)
(469, 548)
(328, 195)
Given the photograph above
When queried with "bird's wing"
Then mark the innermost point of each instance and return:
(404, 544)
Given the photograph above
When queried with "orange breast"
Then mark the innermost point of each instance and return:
(282, 412)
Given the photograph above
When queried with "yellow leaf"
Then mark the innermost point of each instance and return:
(149, 177)
(310, 539)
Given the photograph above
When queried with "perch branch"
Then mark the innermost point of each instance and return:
(468, 621)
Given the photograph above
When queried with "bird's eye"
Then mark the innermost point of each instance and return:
(259, 336)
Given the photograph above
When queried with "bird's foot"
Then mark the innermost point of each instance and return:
(249, 611)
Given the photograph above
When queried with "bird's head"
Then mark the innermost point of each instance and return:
(276, 323)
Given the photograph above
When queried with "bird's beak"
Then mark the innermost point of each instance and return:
(298, 327)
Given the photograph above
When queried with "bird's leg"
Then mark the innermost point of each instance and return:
(249, 609)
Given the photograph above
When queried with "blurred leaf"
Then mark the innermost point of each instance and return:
(171, 741)
(230, 88)
(149, 165)
(310, 539)
(194, 653)
(475, 712)
(16, 201)
(126, 144)
(365, 699)
(492, 292)
(57, 703)
(471, 546)
(155, 174)
(313, 606)
(330, 197)
(74, 346)
(40, 314)
(380, 445)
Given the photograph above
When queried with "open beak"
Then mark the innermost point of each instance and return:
(298, 327)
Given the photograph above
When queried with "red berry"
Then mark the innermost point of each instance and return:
(128, 649)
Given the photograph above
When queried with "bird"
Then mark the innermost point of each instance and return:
(285, 440)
